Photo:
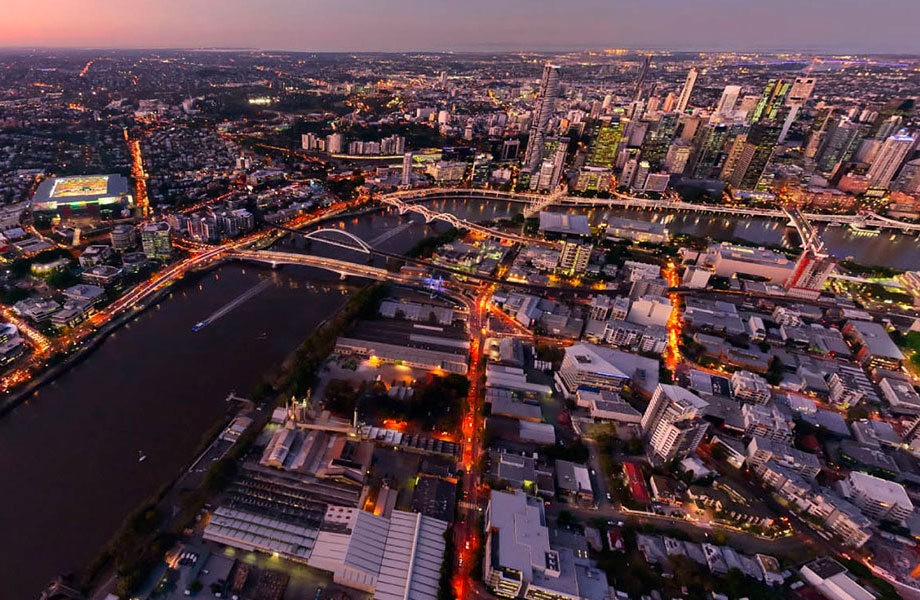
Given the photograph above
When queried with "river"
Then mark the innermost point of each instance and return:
(69, 457)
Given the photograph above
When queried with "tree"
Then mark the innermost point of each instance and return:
(566, 518)
(634, 446)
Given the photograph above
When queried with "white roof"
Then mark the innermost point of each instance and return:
(880, 490)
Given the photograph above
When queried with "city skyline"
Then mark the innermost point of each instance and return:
(515, 25)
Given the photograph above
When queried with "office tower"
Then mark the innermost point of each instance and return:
(840, 141)
(811, 271)
(793, 112)
(608, 100)
(889, 127)
(908, 180)
(689, 127)
(482, 165)
(629, 172)
(771, 101)
(334, 143)
(728, 100)
(761, 141)
(550, 171)
(123, 237)
(406, 169)
(604, 150)
(709, 150)
(669, 102)
(643, 73)
(672, 422)
(636, 133)
(678, 155)
(815, 135)
(687, 90)
(801, 90)
(658, 139)
(510, 149)
(638, 180)
(734, 155)
(889, 160)
(442, 80)
(574, 258)
(652, 105)
(155, 240)
(543, 110)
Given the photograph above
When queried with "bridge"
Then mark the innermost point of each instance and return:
(342, 267)
(542, 201)
(403, 207)
(811, 240)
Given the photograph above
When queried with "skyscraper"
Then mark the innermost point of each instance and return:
(709, 150)
(687, 90)
(840, 141)
(643, 73)
(729, 99)
(758, 150)
(543, 111)
(672, 422)
(604, 150)
(658, 139)
(771, 101)
(406, 168)
(889, 160)
(811, 271)
(155, 240)
(800, 91)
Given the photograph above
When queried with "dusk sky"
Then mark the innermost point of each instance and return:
(368, 25)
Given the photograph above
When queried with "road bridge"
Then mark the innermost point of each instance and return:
(671, 203)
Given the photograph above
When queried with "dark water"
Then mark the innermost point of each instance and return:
(882, 248)
(68, 458)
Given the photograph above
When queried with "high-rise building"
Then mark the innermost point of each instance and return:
(710, 150)
(908, 180)
(550, 171)
(604, 151)
(123, 237)
(335, 142)
(771, 101)
(761, 141)
(841, 139)
(687, 90)
(510, 149)
(658, 138)
(889, 160)
(676, 159)
(155, 240)
(728, 100)
(643, 73)
(889, 127)
(791, 114)
(406, 169)
(543, 111)
(801, 90)
(574, 258)
(734, 155)
(672, 422)
(811, 271)
(629, 172)
(669, 102)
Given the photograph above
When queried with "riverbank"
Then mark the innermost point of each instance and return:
(91, 345)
